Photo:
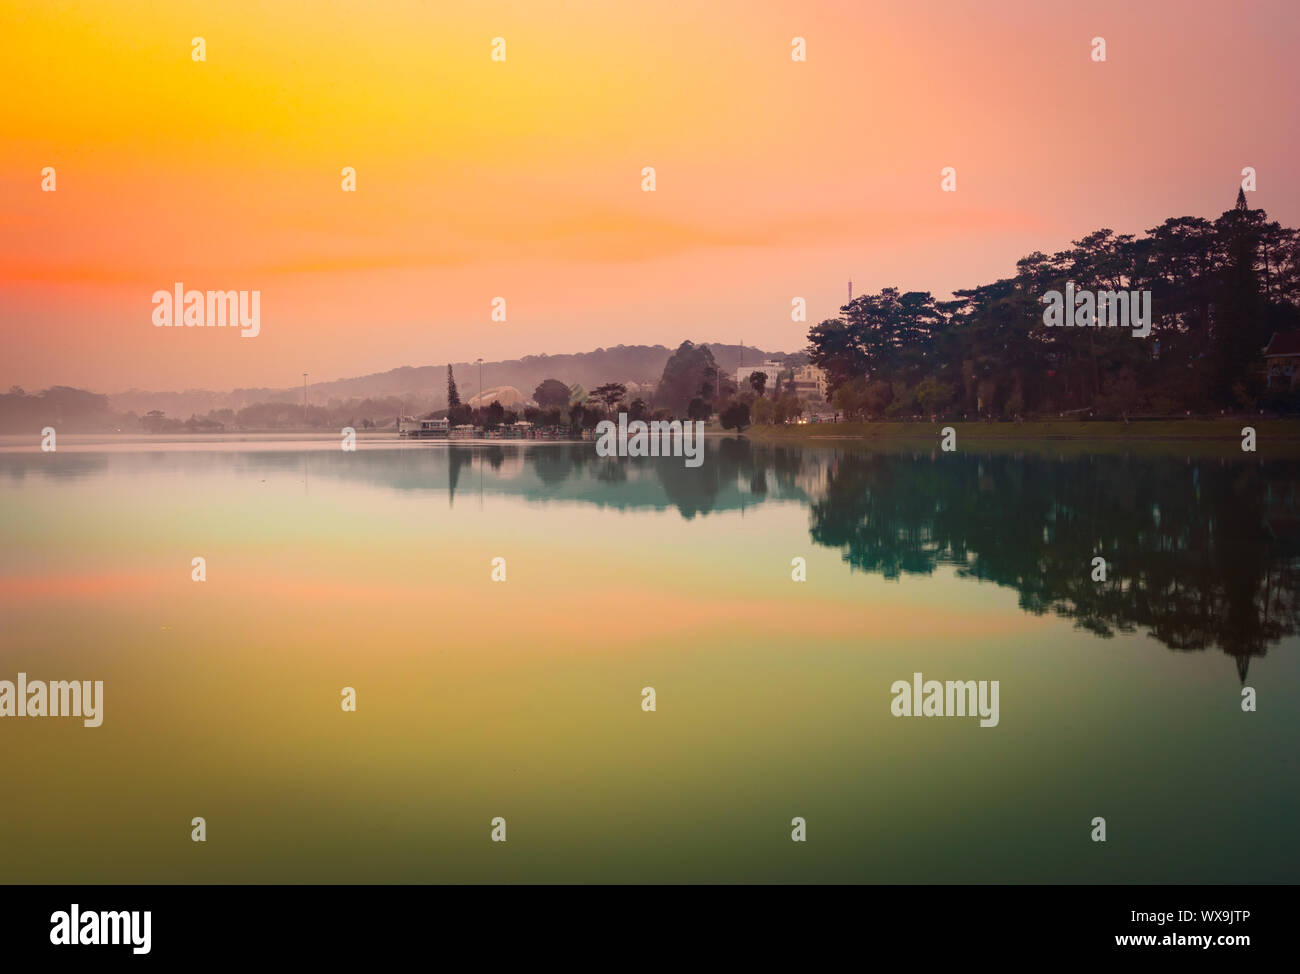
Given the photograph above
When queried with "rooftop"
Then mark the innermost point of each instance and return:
(1285, 343)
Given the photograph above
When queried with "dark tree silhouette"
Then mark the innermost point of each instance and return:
(735, 416)
(551, 392)
(453, 397)
(1219, 290)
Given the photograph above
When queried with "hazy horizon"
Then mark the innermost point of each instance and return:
(290, 384)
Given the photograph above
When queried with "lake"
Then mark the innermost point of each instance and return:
(522, 698)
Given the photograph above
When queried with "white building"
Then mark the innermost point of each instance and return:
(809, 381)
(770, 369)
(406, 426)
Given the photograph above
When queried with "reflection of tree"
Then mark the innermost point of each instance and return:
(553, 464)
(457, 457)
(694, 490)
(715, 485)
(1199, 554)
(611, 470)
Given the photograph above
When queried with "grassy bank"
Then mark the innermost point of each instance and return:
(1274, 437)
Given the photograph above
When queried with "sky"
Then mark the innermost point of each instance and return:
(522, 178)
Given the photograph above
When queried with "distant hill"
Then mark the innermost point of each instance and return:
(622, 363)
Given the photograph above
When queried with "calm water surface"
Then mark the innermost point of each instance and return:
(522, 699)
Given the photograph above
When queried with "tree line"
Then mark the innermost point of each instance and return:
(1219, 290)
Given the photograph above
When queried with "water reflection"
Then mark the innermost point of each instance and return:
(1201, 554)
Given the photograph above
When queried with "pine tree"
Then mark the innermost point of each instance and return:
(1239, 332)
(453, 397)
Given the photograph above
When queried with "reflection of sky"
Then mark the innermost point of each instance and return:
(287, 499)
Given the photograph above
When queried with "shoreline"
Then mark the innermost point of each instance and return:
(1223, 436)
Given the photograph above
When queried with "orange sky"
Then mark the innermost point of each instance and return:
(522, 179)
